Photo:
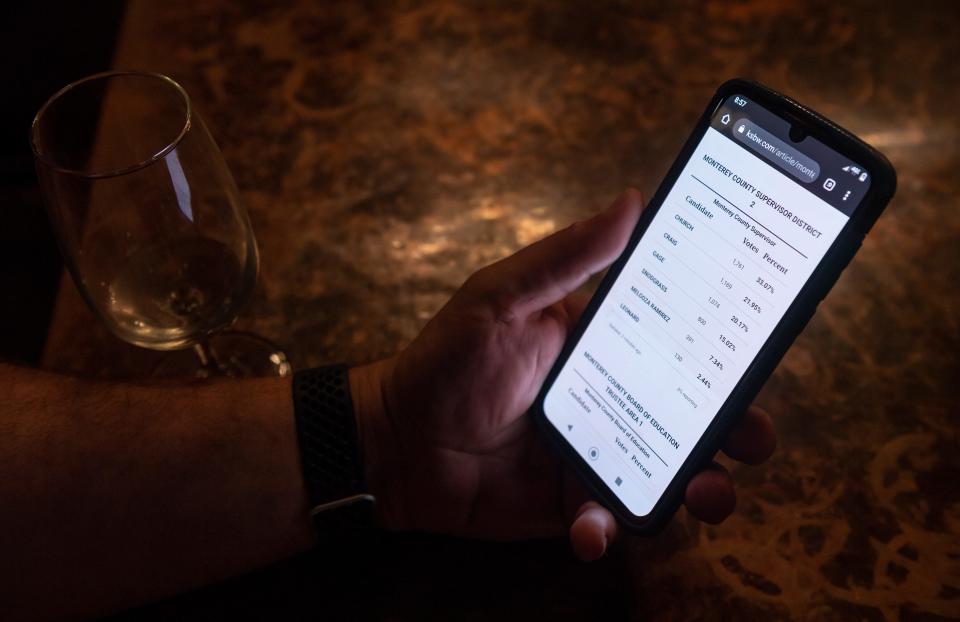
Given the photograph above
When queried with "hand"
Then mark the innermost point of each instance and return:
(447, 444)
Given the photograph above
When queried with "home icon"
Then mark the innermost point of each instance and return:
(725, 119)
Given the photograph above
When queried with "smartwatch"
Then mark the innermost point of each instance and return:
(330, 451)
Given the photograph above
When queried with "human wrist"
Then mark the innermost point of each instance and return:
(377, 438)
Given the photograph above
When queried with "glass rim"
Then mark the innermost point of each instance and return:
(170, 146)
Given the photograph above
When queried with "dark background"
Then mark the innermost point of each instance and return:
(356, 130)
(38, 56)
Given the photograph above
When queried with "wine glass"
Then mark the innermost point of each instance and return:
(150, 221)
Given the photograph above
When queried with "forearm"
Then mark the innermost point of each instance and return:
(117, 494)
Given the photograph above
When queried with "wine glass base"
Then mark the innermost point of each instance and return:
(230, 354)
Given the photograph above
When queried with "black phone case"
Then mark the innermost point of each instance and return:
(795, 319)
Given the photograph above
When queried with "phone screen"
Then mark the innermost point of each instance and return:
(744, 226)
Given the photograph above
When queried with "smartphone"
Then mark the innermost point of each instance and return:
(756, 219)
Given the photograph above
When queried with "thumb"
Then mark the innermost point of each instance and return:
(592, 531)
(543, 273)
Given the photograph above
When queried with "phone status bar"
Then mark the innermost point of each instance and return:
(820, 169)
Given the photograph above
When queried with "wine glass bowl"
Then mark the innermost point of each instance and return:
(147, 214)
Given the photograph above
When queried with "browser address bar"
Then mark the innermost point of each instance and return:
(785, 156)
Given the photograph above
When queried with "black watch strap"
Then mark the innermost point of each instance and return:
(330, 449)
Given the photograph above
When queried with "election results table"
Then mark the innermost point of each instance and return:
(733, 243)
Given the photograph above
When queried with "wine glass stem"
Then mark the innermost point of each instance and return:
(208, 359)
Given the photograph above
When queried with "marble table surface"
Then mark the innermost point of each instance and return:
(386, 150)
